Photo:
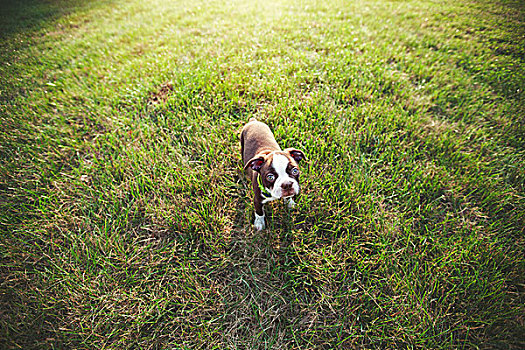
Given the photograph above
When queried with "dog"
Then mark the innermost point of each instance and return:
(274, 172)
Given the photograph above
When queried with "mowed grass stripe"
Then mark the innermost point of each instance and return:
(127, 219)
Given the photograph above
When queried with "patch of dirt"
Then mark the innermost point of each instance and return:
(161, 95)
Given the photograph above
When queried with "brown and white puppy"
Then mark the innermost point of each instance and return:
(274, 172)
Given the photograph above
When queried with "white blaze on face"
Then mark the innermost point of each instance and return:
(280, 163)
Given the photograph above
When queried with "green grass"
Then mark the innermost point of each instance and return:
(126, 221)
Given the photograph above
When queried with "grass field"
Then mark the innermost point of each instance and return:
(126, 222)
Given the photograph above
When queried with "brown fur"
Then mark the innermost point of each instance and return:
(261, 140)
(260, 148)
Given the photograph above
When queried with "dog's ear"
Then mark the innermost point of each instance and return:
(296, 154)
(255, 163)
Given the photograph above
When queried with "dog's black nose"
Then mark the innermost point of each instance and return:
(287, 186)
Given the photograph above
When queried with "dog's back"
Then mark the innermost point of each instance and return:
(256, 137)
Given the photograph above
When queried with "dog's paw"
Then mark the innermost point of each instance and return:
(259, 223)
(291, 203)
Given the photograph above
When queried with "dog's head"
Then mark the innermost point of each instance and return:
(279, 171)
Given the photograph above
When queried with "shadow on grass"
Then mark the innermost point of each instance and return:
(31, 15)
(25, 323)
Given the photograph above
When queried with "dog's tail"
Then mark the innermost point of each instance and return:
(252, 119)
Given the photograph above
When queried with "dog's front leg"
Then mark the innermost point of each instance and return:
(259, 214)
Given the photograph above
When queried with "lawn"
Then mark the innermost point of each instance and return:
(126, 220)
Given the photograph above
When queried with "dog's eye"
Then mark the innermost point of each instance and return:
(270, 177)
(295, 171)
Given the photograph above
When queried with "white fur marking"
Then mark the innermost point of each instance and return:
(291, 203)
(280, 163)
(266, 200)
(259, 222)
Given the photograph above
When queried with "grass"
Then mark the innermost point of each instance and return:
(126, 220)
